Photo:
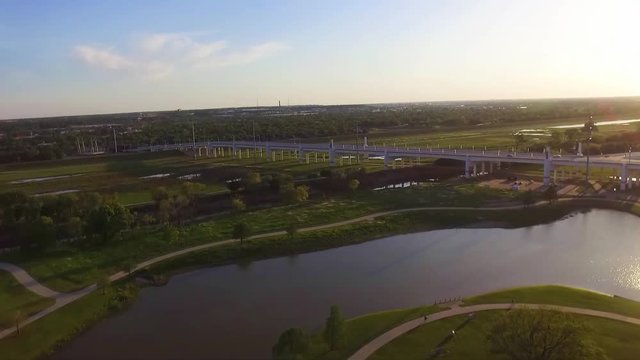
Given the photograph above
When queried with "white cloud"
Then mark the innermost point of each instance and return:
(102, 58)
(158, 56)
(157, 70)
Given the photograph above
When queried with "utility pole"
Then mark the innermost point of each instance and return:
(115, 141)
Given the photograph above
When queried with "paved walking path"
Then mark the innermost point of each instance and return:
(63, 299)
(367, 350)
(27, 281)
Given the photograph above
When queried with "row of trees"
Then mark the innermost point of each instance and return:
(48, 138)
(37, 223)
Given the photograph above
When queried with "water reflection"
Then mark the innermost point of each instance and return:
(232, 312)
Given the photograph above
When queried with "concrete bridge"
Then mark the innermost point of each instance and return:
(475, 160)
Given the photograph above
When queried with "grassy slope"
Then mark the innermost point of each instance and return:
(619, 340)
(560, 295)
(40, 339)
(14, 297)
(360, 330)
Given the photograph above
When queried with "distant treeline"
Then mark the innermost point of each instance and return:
(52, 138)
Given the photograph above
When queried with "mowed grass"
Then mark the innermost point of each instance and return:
(560, 295)
(14, 297)
(360, 330)
(619, 340)
(39, 339)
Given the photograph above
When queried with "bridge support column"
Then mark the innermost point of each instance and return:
(623, 177)
(490, 168)
(268, 154)
(475, 169)
(316, 155)
(498, 165)
(547, 171)
(467, 165)
(482, 168)
(386, 160)
(332, 153)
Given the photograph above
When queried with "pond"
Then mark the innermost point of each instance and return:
(232, 312)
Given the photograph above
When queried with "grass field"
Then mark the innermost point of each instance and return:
(360, 330)
(620, 341)
(14, 297)
(560, 295)
(38, 340)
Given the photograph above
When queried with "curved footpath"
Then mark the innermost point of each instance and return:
(367, 350)
(63, 299)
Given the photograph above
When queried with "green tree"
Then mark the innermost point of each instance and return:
(107, 221)
(334, 330)
(353, 184)
(291, 345)
(192, 189)
(159, 194)
(550, 193)
(18, 318)
(241, 231)
(295, 194)
(292, 230)
(252, 181)
(73, 227)
(526, 334)
(519, 139)
(528, 198)
(103, 284)
(238, 204)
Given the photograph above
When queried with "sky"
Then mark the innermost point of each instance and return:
(69, 57)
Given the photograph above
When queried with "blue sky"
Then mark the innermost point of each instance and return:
(77, 57)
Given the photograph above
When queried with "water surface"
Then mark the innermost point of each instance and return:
(233, 312)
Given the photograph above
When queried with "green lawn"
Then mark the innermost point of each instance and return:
(14, 297)
(42, 337)
(560, 295)
(361, 330)
(620, 341)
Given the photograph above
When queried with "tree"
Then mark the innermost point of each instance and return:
(42, 232)
(252, 180)
(241, 231)
(353, 184)
(103, 283)
(550, 193)
(528, 198)
(238, 204)
(295, 194)
(292, 230)
(291, 345)
(18, 318)
(191, 189)
(526, 334)
(519, 139)
(159, 194)
(334, 330)
(107, 221)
